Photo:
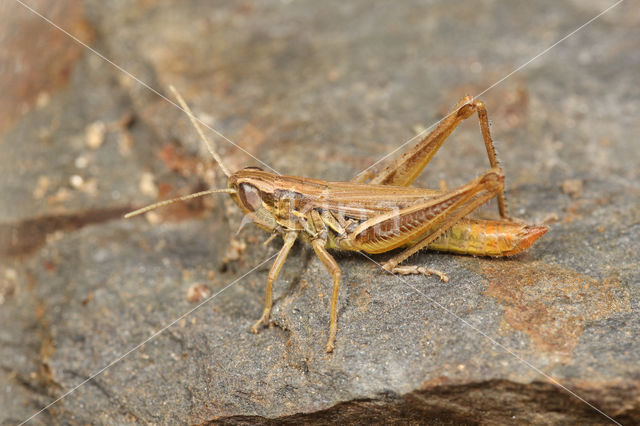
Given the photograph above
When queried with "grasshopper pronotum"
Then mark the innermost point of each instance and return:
(376, 212)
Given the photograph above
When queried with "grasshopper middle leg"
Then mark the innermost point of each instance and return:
(329, 263)
(333, 268)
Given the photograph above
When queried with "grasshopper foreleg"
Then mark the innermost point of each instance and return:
(289, 239)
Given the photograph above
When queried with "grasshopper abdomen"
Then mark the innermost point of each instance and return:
(495, 238)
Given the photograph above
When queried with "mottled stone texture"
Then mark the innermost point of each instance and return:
(320, 89)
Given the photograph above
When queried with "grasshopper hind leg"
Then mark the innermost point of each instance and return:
(404, 170)
(418, 270)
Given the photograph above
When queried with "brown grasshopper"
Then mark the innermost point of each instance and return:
(376, 212)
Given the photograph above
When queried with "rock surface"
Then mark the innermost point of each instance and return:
(320, 90)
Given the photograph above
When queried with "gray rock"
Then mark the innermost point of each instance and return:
(321, 91)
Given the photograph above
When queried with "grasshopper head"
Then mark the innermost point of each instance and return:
(253, 189)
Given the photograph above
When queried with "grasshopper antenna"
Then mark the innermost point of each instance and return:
(209, 145)
(175, 200)
(213, 153)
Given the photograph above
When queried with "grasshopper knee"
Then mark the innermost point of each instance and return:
(466, 107)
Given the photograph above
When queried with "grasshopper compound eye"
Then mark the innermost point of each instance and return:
(250, 197)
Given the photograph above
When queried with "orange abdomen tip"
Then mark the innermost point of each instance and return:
(526, 237)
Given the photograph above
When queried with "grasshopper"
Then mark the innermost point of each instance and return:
(376, 212)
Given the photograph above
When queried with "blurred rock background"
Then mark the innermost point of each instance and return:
(320, 90)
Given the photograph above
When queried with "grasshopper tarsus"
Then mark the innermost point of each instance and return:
(330, 346)
(378, 216)
(419, 270)
(262, 322)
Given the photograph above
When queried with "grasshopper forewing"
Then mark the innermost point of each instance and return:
(376, 212)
